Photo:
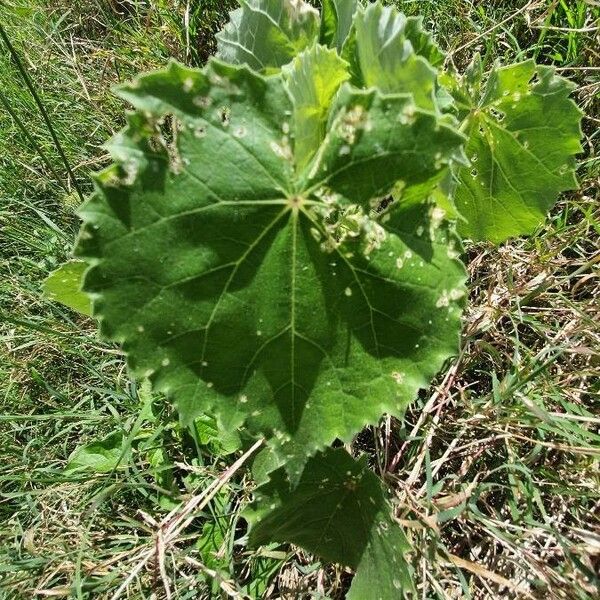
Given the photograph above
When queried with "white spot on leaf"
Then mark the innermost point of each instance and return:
(398, 377)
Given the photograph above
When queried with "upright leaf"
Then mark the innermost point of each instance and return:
(267, 34)
(255, 291)
(524, 132)
(336, 22)
(338, 511)
(386, 53)
(312, 79)
(423, 42)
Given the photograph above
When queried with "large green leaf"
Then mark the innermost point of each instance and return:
(336, 22)
(392, 52)
(64, 286)
(262, 293)
(267, 34)
(338, 511)
(524, 132)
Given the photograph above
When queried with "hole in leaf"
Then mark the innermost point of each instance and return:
(497, 114)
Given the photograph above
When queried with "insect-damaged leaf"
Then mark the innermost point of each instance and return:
(376, 140)
(253, 289)
(524, 132)
(267, 34)
(338, 511)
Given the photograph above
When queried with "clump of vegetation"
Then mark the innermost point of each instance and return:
(317, 246)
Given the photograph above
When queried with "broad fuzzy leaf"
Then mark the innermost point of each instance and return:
(267, 34)
(339, 512)
(255, 291)
(524, 132)
(64, 286)
(336, 22)
(392, 53)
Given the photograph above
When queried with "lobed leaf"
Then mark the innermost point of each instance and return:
(267, 34)
(253, 289)
(524, 132)
(338, 511)
(392, 52)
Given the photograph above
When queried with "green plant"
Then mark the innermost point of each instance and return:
(274, 244)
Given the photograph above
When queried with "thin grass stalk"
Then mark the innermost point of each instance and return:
(32, 140)
(42, 109)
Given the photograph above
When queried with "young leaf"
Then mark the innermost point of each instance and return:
(213, 540)
(312, 80)
(524, 132)
(338, 511)
(423, 42)
(336, 22)
(220, 441)
(257, 292)
(64, 286)
(391, 52)
(98, 457)
(267, 34)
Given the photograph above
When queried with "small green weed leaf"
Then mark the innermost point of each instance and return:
(338, 511)
(263, 568)
(220, 440)
(267, 34)
(212, 542)
(161, 469)
(64, 286)
(336, 22)
(391, 52)
(524, 132)
(312, 80)
(98, 457)
(257, 293)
